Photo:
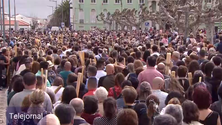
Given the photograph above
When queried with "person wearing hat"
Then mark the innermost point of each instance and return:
(28, 66)
(51, 72)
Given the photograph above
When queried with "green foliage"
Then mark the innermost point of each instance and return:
(57, 15)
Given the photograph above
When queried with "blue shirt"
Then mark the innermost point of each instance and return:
(64, 75)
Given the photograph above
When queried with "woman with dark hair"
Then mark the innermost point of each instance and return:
(145, 55)
(110, 111)
(196, 76)
(35, 67)
(152, 103)
(215, 82)
(116, 90)
(17, 87)
(90, 109)
(57, 87)
(202, 98)
(190, 113)
(68, 94)
(193, 66)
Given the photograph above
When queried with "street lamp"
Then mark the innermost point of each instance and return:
(54, 1)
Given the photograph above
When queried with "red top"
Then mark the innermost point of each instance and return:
(117, 89)
(89, 93)
(90, 117)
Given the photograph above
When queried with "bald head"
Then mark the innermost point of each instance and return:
(110, 69)
(49, 119)
(157, 83)
(161, 68)
(78, 105)
(67, 66)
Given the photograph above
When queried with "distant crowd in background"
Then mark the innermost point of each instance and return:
(128, 78)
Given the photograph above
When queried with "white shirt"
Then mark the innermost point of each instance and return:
(161, 96)
(155, 53)
(21, 68)
(58, 94)
(99, 74)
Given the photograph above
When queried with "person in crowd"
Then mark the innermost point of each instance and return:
(129, 97)
(57, 88)
(90, 109)
(78, 105)
(43, 65)
(155, 50)
(190, 113)
(116, 90)
(202, 56)
(193, 66)
(17, 87)
(49, 119)
(145, 91)
(35, 67)
(65, 114)
(175, 57)
(57, 62)
(164, 120)
(28, 66)
(61, 66)
(100, 64)
(162, 69)
(172, 95)
(175, 111)
(215, 82)
(127, 117)
(4, 62)
(152, 103)
(42, 86)
(101, 94)
(216, 106)
(110, 111)
(91, 73)
(16, 101)
(182, 73)
(68, 94)
(158, 84)
(92, 85)
(108, 81)
(64, 74)
(217, 60)
(150, 73)
(202, 98)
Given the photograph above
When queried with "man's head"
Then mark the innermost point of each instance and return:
(164, 120)
(28, 63)
(49, 119)
(44, 65)
(129, 94)
(161, 68)
(78, 105)
(155, 48)
(127, 117)
(5, 52)
(65, 113)
(176, 111)
(92, 83)
(202, 53)
(29, 80)
(100, 64)
(157, 83)
(110, 69)
(67, 66)
(91, 71)
(151, 61)
(175, 56)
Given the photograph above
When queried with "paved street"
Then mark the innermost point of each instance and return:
(3, 105)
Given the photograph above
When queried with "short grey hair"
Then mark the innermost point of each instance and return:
(164, 120)
(175, 111)
(101, 94)
(77, 104)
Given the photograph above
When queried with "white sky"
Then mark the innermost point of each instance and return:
(36, 8)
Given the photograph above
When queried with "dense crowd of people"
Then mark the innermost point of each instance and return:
(128, 78)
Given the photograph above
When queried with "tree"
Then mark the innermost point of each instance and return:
(34, 24)
(57, 15)
(188, 15)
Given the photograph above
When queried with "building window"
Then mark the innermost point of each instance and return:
(81, 1)
(153, 6)
(208, 1)
(117, 1)
(81, 16)
(129, 1)
(93, 1)
(105, 1)
(93, 16)
(141, 1)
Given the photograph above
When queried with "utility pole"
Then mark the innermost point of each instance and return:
(62, 10)
(9, 15)
(52, 8)
(55, 2)
(3, 11)
(15, 15)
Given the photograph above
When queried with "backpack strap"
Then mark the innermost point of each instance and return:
(114, 92)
